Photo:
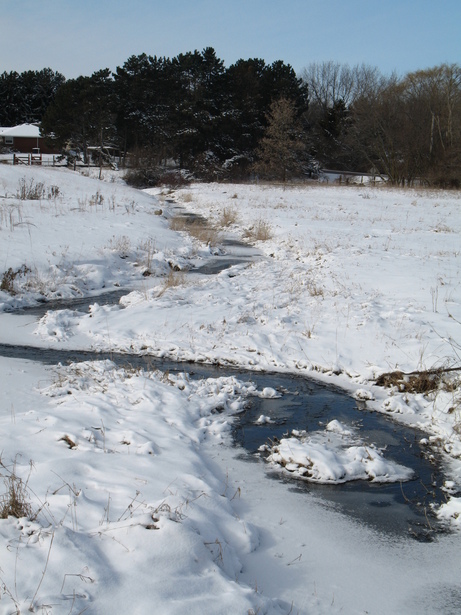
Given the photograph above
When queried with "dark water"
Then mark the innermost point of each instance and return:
(235, 253)
(80, 304)
(401, 508)
(397, 508)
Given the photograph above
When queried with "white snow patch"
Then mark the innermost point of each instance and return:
(334, 456)
(269, 392)
(450, 512)
(263, 420)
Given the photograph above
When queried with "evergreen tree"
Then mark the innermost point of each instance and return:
(281, 81)
(253, 87)
(11, 111)
(147, 93)
(38, 91)
(200, 107)
(26, 96)
(280, 154)
(82, 113)
(246, 119)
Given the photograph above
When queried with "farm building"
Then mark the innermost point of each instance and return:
(24, 139)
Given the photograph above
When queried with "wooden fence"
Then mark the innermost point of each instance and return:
(27, 159)
(37, 159)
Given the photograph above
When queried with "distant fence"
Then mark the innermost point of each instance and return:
(351, 177)
(27, 159)
(33, 159)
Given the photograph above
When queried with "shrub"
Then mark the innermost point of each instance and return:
(30, 191)
(259, 231)
(228, 216)
(141, 178)
(153, 176)
(8, 278)
(173, 179)
(14, 502)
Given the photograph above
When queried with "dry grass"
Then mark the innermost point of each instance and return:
(178, 223)
(228, 216)
(11, 215)
(259, 231)
(9, 276)
(120, 244)
(148, 250)
(68, 440)
(197, 228)
(173, 279)
(425, 381)
(314, 290)
(30, 190)
(14, 502)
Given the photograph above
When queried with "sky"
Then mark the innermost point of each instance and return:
(80, 37)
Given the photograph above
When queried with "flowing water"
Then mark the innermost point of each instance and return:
(400, 508)
(302, 404)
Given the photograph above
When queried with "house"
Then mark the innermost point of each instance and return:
(25, 139)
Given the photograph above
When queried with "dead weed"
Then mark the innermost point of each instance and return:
(425, 381)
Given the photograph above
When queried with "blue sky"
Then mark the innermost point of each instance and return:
(77, 37)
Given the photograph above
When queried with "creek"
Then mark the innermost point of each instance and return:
(395, 508)
(303, 404)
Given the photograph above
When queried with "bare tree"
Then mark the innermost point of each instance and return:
(328, 85)
(333, 89)
(410, 128)
(329, 82)
(435, 97)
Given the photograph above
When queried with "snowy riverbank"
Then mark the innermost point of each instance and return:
(351, 282)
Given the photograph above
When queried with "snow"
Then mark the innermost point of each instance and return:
(334, 456)
(23, 130)
(119, 453)
(450, 512)
(263, 420)
(138, 498)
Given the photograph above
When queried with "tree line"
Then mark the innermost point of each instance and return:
(223, 123)
(407, 128)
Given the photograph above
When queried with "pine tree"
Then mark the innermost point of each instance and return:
(82, 112)
(147, 92)
(253, 86)
(199, 106)
(281, 152)
(26, 96)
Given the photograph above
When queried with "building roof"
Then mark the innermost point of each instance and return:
(23, 130)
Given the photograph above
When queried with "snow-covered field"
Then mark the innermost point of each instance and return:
(138, 502)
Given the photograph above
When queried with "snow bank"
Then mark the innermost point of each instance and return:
(135, 508)
(450, 512)
(81, 237)
(126, 506)
(334, 456)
